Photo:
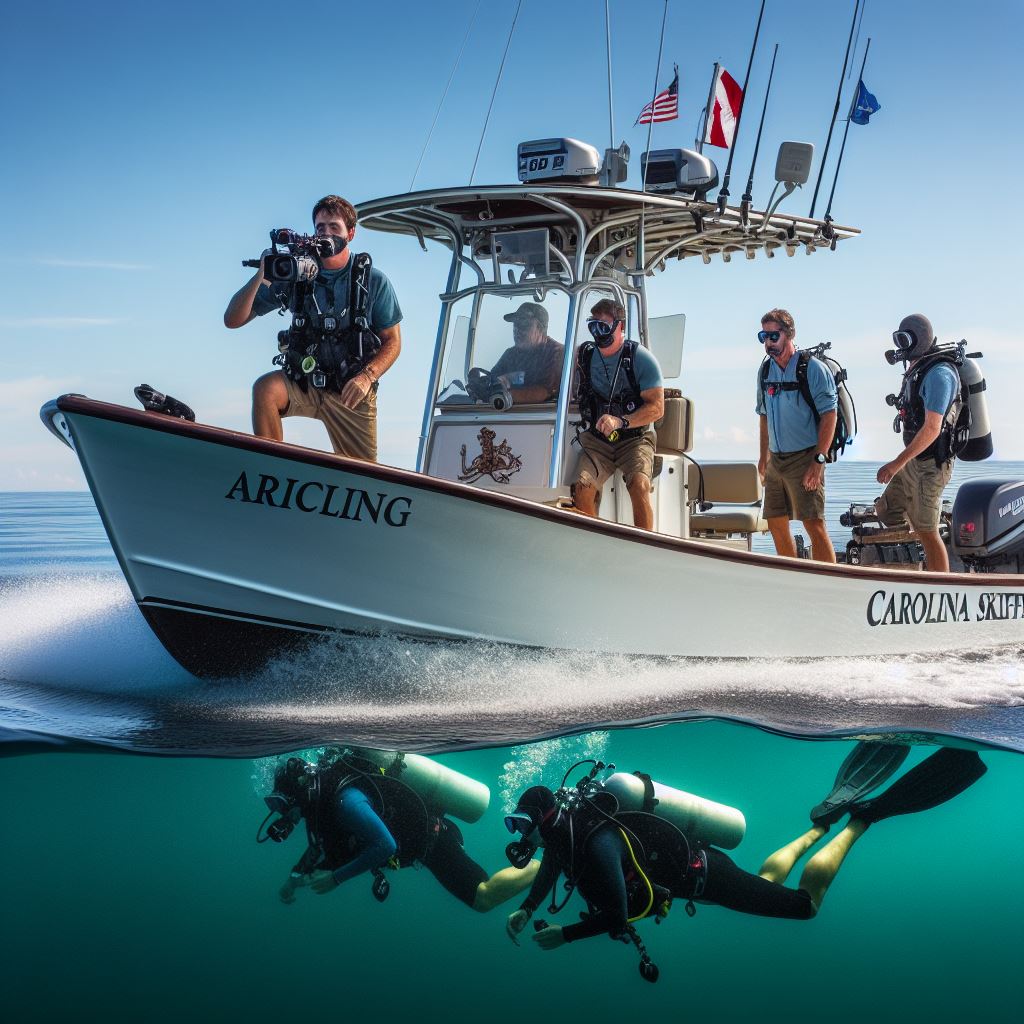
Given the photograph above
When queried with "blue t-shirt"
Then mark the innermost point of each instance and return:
(791, 426)
(602, 373)
(941, 384)
(332, 290)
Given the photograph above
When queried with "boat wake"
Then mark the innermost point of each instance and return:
(79, 664)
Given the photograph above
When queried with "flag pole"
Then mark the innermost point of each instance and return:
(703, 129)
(747, 197)
(608, 46)
(835, 112)
(654, 95)
(723, 193)
(849, 117)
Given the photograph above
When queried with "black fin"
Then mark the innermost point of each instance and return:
(864, 770)
(940, 777)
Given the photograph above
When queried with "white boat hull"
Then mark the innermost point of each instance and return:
(236, 547)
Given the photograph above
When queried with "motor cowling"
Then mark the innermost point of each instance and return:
(988, 525)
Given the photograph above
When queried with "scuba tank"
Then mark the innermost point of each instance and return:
(442, 789)
(701, 821)
(979, 442)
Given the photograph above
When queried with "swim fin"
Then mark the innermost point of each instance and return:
(938, 778)
(865, 769)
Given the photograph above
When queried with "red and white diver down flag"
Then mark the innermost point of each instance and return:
(728, 98)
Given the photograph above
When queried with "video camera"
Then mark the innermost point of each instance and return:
(303, 259)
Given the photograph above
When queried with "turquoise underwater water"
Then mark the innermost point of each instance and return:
(135, 889)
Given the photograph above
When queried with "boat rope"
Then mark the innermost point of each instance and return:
(444, 95)
(497, 81)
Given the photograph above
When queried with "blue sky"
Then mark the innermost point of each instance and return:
(150, 148)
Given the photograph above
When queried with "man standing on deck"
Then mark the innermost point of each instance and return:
(916, 478)
(621, 396)
(346, 407)
(795, 436)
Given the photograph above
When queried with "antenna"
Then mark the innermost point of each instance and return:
(723, 195)
(608, 47)
(490, 106)
(835, 112)
(849, 118)
(747, 198)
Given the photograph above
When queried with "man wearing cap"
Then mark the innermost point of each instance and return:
(532, 367)
(795, 438)
(916, 478)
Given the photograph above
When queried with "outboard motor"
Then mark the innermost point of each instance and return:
(988, 525)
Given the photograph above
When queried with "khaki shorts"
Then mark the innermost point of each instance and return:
(784, 491)
(601, 458)
(915, 494)
(353, 432)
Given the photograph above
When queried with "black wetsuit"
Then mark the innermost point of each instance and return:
(341, 841)
(607, 865)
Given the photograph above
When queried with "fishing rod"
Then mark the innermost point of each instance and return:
(723, 194)
(835, 112)
(747, 197)
(849, 118)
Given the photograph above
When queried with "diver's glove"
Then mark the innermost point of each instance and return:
(516, 922)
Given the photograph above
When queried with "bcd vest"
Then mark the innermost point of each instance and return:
(328, 350)
(622, 404)
(910, 411)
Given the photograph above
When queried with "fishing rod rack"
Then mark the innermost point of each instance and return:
(623, 232)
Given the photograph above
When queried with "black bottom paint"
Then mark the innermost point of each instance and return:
(210, 645)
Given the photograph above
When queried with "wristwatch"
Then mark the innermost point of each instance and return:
(625, 423)
(820, 459)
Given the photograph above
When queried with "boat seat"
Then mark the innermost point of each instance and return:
(675, 428)
(734, 491)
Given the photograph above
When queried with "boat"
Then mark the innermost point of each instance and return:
(238, 549)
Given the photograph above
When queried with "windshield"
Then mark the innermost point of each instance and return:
(516, 350)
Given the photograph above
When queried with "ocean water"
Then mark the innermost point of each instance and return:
(136, 890)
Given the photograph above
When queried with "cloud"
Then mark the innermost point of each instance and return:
(90, 264)
(60, 321)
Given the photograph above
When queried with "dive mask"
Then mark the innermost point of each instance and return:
(601, 331)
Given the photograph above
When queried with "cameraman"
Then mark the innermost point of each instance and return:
(349, 412)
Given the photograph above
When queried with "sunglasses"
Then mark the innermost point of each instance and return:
(763, 336)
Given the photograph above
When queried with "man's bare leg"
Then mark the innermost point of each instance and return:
(821, 543)
(269, 403)
(936, 557)
(823, 867)
(585, 499)
(639, 488)
(782, 535)
(503, 885)
(778, 866)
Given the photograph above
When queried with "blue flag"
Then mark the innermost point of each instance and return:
(864, 106)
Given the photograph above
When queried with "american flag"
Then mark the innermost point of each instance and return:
(664, 106)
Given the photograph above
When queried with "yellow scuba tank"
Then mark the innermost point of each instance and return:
(700, 820)
(979, 444)
(442, 789)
